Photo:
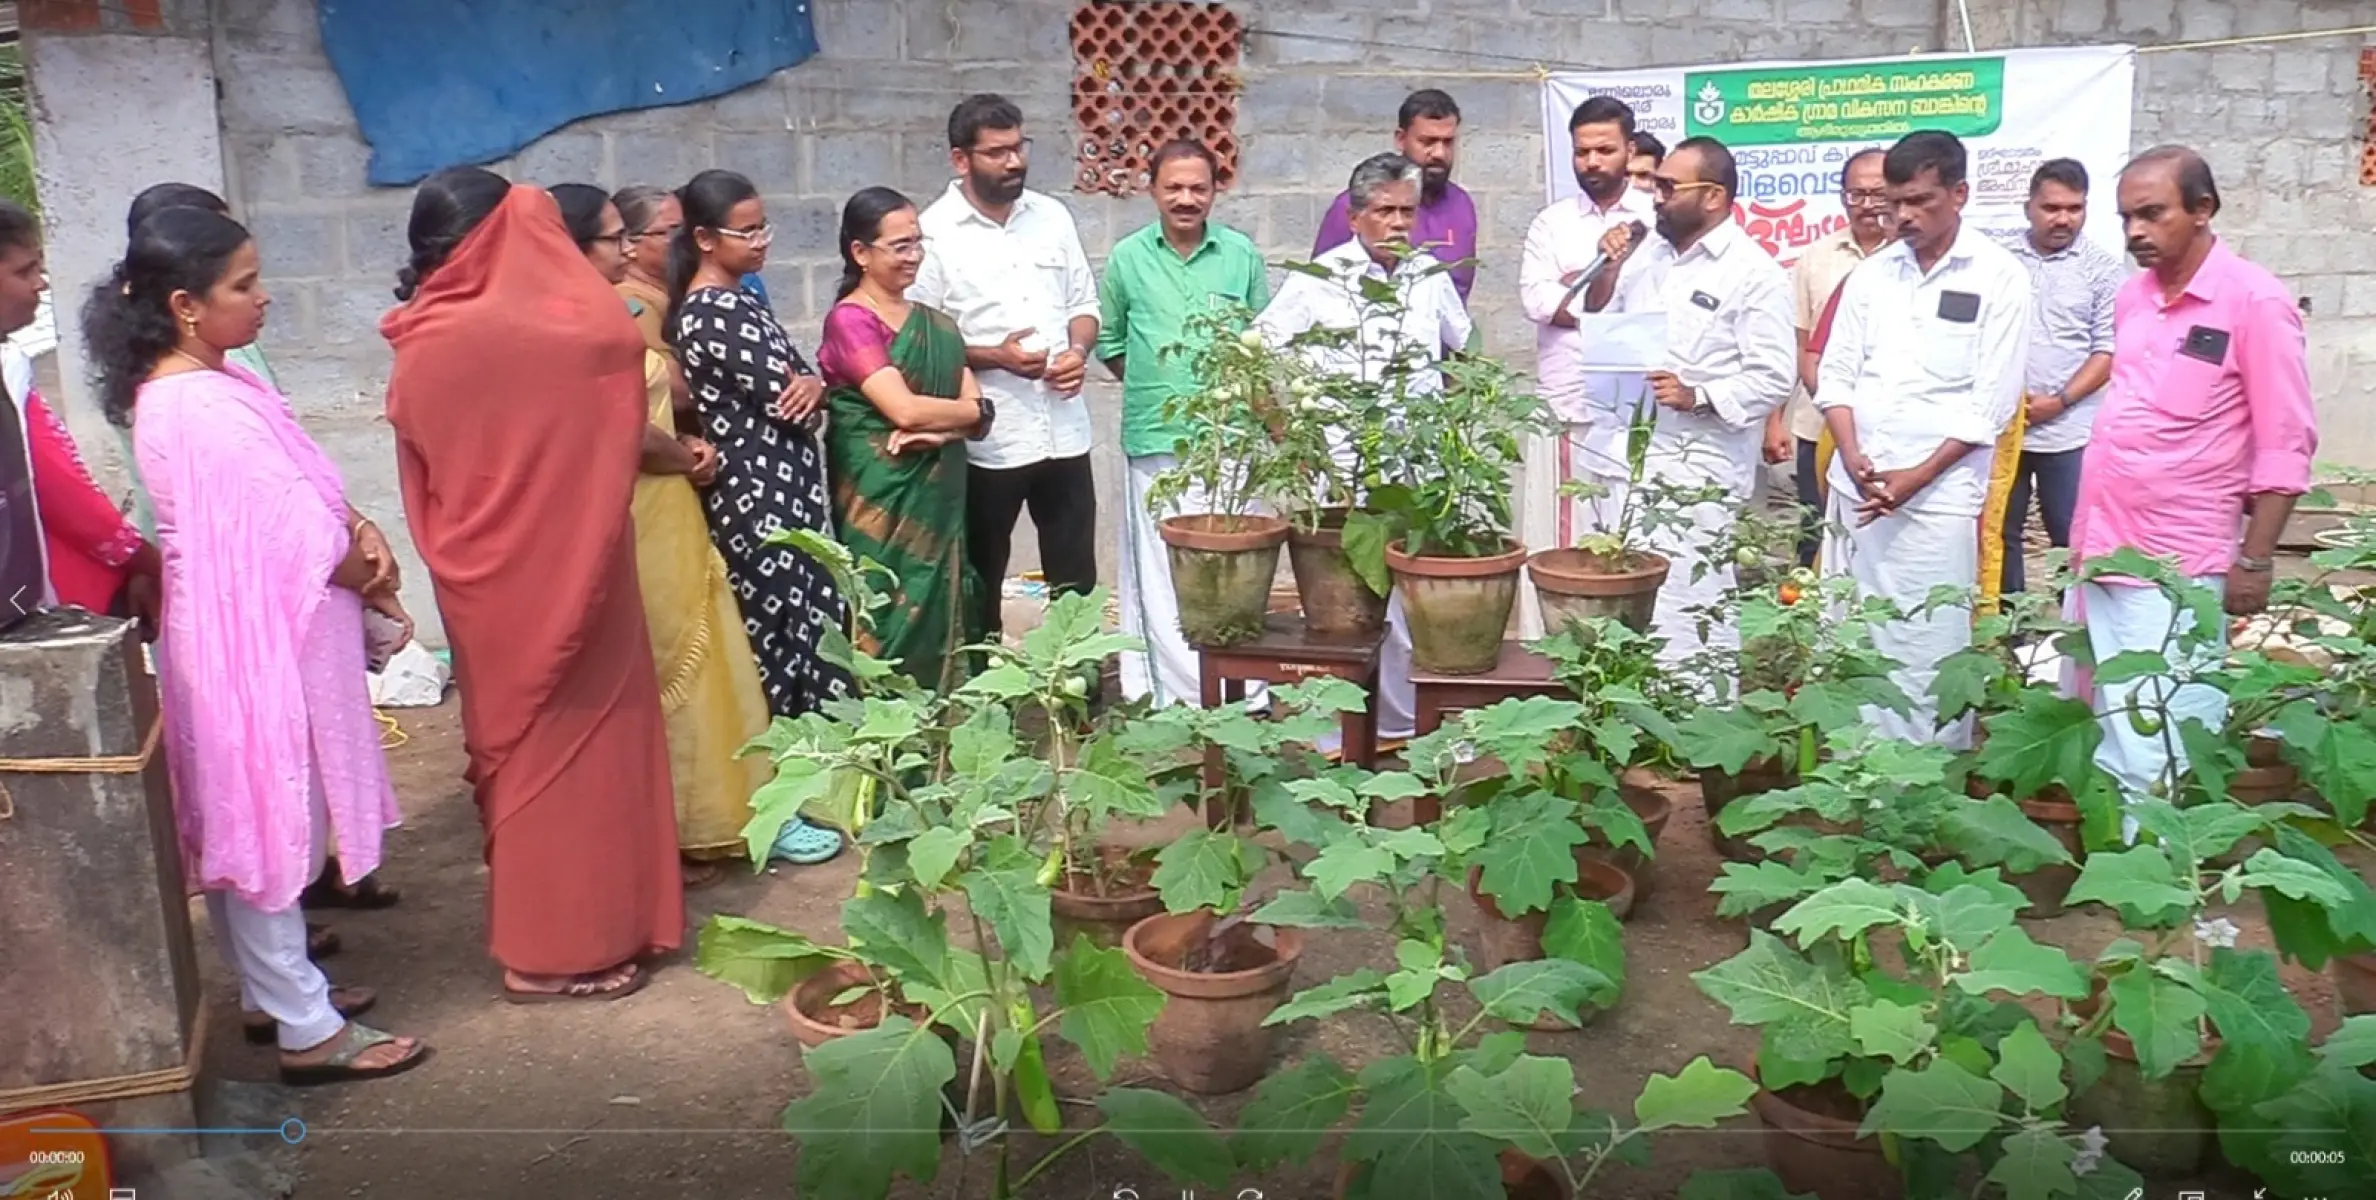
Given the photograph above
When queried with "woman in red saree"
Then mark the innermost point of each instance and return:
(518, 402)
(97, 558)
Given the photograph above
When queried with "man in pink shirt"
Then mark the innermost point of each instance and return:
(2203, 444)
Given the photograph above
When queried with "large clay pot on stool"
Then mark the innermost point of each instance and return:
(1457, 608)
(1811, 1142)
(1210, 1037)
(1222, 566)
(1336, 603)
(1573, 585)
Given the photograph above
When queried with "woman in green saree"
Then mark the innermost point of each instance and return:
(901, 403)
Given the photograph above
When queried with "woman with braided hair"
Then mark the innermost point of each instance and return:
(518, 402)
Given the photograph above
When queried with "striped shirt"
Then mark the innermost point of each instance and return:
(2070, 319)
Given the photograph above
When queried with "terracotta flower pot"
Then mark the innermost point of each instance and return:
(2160, 1127)
(1458, 608)
(2053, 812)
(1222, 567)
(1654, 808)
(2355, 983)
(814, 1018)
(1811, 1142)
(1719, 788)
(1210, 1037)
(1523, 1178)
(1074, 910)
(1572, 585)
(1502, 940)
(1336, 603)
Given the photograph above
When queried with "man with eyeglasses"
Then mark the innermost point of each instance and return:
(1730, 359)
(1006, 264)
(1920, 378)
(1792, 433)
(1156, 280)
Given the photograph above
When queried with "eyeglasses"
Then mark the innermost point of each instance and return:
(757, 238)
(1866, 197)
(1018, 152)
(1668, 189)
(618, 240)
(659, 231)
(903, 248)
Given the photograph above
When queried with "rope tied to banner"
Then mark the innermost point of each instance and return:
(105, 764)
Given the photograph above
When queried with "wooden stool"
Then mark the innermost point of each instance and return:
(1285, 654)
(1519, 672)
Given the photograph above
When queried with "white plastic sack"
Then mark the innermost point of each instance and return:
(414, 679)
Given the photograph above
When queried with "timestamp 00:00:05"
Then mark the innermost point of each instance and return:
(2315, 1158)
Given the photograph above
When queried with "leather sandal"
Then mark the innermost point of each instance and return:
(353, 1041)
(368, 893)
(261, 1029)
(594, 985)
(321, 941)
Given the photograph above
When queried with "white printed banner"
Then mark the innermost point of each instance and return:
(1791, 124)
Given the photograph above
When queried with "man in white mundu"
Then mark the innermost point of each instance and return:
(1731, 357)
(1561, 243)
(1923, 372)
(1384, 193)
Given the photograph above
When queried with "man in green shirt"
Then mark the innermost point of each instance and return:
(1155, 280)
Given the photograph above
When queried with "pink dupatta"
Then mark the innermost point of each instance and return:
(260, 659)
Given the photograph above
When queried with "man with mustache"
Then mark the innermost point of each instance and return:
(1794, 430)
(1563, 240)
(2203, 444)
(1921, 376)
(1427, 131)
(1731, 357)
(2070, 353)
(1400, 355)
(1006, 264)
(1155, 281)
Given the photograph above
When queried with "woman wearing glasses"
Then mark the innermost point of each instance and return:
(709, 688)
(760, 405)
(651, 216)
(902, 404)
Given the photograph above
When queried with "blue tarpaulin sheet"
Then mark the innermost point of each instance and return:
(441, 83)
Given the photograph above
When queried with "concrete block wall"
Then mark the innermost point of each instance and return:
(1322, 80)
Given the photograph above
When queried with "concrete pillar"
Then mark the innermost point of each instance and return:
(123, 96)
(94, 917)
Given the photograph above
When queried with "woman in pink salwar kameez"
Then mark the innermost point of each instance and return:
(274, 752)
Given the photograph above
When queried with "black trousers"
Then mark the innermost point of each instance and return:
(2054, 477)
(1810, 498)
(1062, 497)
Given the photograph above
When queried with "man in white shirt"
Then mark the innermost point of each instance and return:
(1384, 203)
(1563, 240)
(1006, 264)
(1731, 356)
(1794, 431)
(1921, 376)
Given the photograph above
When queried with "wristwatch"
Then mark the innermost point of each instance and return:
(2254, 566)
(1700, 404)
(989, 414)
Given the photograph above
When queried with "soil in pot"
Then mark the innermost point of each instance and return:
(1081, 905)
(1457, 608)
(816, 1019)
(1209, 1037)
(1336, 603)
(1222, 567)
(1719, 788)
(1572, 584)
(1654, 808)
(1812, 1143)
(2355, 983)
(1523, 1178)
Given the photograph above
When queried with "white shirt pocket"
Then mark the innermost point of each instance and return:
(1947, 349)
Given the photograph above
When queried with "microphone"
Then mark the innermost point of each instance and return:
(1599, 265)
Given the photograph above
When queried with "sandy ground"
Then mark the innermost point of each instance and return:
(676, 1092)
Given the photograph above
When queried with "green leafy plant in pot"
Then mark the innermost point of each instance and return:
(1627, 727)
(1894, 1048)
(1617, 572)
(1801, 670)
(1228, 476)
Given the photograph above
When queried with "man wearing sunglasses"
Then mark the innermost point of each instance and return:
(1730, 359)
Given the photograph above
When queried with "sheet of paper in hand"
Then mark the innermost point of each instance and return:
(1623, 342)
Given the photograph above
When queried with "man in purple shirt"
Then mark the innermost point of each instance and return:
(1425, 132)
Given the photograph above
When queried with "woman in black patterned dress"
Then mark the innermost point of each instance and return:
(760, 406)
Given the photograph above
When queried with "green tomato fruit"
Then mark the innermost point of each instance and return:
(1745, 557)
(1250, 339)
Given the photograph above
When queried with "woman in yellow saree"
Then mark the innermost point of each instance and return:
(709, 684)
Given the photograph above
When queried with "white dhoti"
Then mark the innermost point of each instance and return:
(1593, 454)
(1900, 558)
(2122, 618)
(1699, 573)
(267, 951)
(1169, 669)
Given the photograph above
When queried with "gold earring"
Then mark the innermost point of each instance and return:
(190, 324)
